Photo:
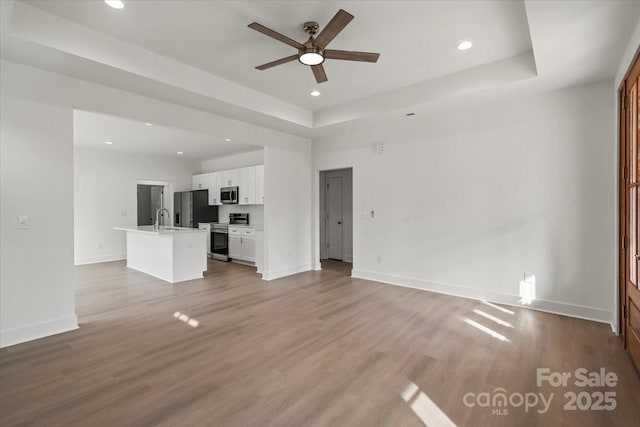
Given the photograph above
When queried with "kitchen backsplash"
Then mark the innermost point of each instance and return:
(256, 212)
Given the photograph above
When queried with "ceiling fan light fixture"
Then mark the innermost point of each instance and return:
(311, 56)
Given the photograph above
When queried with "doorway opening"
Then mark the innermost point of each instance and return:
(151, 196)
(336, 218)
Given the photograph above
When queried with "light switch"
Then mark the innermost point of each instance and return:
(23, 222)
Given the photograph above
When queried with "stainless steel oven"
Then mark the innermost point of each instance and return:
(220, 241)
(229, 195)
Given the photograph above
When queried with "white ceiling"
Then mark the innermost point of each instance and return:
(92, 130)
(417, 39)
(201, 55)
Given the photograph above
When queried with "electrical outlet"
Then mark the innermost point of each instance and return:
(99, 245)
(23, 222)
(123, 213)
(380, 259)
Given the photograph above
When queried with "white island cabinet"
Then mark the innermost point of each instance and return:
(174, 254)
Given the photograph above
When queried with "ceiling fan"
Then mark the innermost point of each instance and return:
(313, 52)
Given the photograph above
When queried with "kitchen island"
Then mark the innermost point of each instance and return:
(174, 254)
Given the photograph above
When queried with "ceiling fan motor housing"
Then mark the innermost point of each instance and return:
(310, 27)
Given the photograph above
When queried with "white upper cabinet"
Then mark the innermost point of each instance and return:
(250, 183)
(260, 184)
(247, 186)
(229, 178)
(214, 188)
(200, 182)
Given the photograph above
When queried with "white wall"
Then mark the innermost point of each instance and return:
(251, 158)
(287, 210)
(36, 286)
(467, 200)
(627, 58)
(105, 185)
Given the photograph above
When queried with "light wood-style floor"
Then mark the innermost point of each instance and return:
(317, 349)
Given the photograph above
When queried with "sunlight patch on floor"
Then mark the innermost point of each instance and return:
(497, 307)
(428, 412)
(191, 322)
(495, 319)
(485, 329)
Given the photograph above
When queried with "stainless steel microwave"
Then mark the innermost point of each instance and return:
(229, 195)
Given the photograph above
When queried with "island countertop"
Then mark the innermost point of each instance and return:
(174, 254)
(148, 229)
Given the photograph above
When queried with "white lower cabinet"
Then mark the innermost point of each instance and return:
(235, 247)
(242, 244)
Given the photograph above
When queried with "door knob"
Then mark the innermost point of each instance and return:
(339, 222)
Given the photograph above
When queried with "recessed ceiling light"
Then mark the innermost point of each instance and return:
(116, 4)
(180, 152)
(314, 93)
(228, 139)
(465, 45)
(148, 124)
(108, 142)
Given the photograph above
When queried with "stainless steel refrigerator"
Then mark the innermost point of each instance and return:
(192, 207)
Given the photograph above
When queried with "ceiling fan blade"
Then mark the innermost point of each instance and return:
(277, 62)
(269, 32)
(337, 24)
(319, 74)
(347, 55)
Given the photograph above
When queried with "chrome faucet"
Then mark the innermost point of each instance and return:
(157, 224)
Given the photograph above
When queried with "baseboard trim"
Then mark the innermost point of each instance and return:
(39, 330)
(571, 310)
(99, 259)
(614, 328)
(284, 272)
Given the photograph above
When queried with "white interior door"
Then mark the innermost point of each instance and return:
(334, 217)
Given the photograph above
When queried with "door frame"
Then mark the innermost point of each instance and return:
(623, 200)
(622, 213)
(319, 221)
(167, 194)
